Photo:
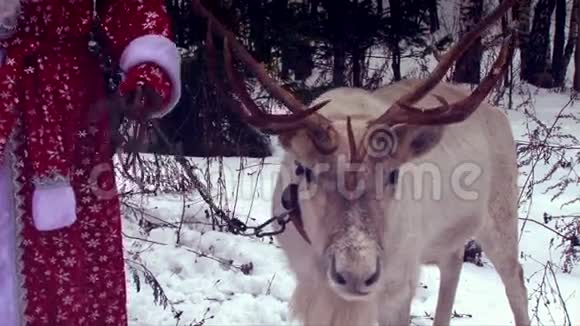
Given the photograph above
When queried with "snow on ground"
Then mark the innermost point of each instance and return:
(212, 292)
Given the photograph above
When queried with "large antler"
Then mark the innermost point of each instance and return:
(403, 111)
(318, 127)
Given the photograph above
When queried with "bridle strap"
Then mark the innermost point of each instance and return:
(290, 202)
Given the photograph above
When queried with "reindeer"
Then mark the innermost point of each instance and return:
(349, 176)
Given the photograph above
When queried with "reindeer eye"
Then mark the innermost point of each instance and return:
(393, 177)
(301, 170)
(308, 174)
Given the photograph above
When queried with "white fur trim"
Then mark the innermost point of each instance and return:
(161, 51)
(8, 274)
(53, 207)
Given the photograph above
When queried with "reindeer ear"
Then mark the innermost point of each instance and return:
(311, 142)
(415, 141)
(286, 139)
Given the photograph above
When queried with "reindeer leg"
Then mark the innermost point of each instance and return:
(395, 310)
(500, 244)
(396, 313)
(450, 271)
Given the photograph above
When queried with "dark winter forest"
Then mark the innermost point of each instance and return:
(312, 46)
(198, 186)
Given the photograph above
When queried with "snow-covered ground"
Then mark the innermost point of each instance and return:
(214, 290)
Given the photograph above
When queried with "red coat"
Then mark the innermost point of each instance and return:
(59, 212)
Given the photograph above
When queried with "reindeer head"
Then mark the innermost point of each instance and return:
(353, 163)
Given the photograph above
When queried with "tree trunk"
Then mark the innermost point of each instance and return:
(262, 47)
(396, 64)
(356, 55)
(314, 8)
(522, 16)
(558, 68)
(357, 58)
(468, 66)
(395, 7)
(576, 84)
(339, 65)
(433, 16)
(505, 30)
(538, 45)
(572, 34)
(279, 12)
(303, 61)
(335, 24)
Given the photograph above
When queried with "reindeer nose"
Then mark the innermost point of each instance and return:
(357, 280)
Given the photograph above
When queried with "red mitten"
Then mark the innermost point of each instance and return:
(154, 78)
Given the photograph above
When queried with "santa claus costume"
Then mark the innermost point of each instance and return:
(61, 257)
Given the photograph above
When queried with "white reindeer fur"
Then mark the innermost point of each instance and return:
(423, 231)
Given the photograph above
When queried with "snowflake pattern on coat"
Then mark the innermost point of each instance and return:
(72, 276)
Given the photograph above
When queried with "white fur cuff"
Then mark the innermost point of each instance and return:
(162, 51)
(53, 207)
